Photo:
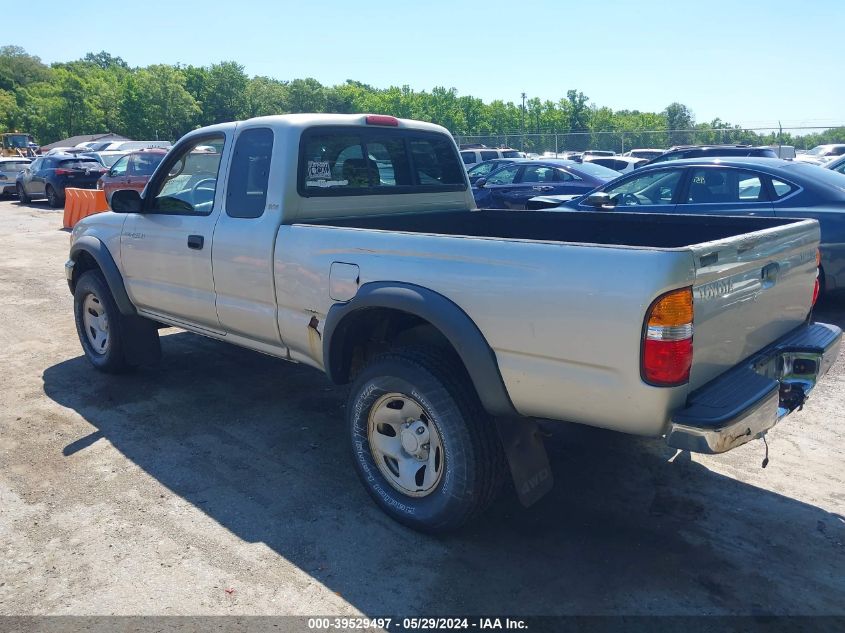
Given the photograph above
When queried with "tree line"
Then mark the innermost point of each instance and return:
(101, 92)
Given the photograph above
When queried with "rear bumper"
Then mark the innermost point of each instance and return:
(746, 401)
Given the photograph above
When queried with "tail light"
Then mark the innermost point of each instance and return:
(817, 286)
(382, 119)
(63, 172)
(667, 339)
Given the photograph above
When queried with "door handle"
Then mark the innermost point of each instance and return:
(195, 242)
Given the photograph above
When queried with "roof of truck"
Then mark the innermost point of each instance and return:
(303, 121)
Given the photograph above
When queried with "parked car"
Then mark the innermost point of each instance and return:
(786, 152)
(822, 153)
(47, 177)
(128, 146)
(131, 171)
(837, 164)
(109, 158)
(598, 152)
(454, 327)
(482, 170)
(737, 186)
(622, 164)
(648, 154)
(681, 152)
(9, 170)
(472, 157)
(511, 186)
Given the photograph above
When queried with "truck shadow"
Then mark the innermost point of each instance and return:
(259, 446)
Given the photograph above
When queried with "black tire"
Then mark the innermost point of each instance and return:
(53, 199)
(473, 458)
(112, 359)
(22, 197)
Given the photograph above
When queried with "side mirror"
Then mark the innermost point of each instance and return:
(599, 200)
(126, 201)
(480, 183)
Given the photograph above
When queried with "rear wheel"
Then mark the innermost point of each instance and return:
(99, 323)
(22, 194)
(53, 198)
(422, 445)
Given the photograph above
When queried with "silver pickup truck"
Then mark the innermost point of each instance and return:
(351, 243)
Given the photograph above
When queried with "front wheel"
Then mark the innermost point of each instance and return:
(422, 444)
(22, 197)
(99, 324)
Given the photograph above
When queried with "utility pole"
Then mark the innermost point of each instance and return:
(523, 121)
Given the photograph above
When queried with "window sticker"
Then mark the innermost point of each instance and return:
(319, 170)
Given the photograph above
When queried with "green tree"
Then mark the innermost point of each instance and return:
(678, 117)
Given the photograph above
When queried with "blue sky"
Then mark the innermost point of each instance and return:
(750, 62)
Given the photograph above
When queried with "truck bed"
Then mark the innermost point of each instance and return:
(621, 229)
(561, 297)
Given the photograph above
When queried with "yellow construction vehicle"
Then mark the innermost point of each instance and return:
(18, 144)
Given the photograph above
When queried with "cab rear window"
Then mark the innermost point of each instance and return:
(351, 161)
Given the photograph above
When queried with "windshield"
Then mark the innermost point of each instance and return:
(110, 159)
(597, 171)
(818, 150)
(13, 165)
(79, 164)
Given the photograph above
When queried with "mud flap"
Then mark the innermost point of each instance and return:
(527, 458)
(141, 343)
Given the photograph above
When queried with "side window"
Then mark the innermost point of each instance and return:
(536, 173)
(783, 189)
(564, 176)
(468, 158)
(719, 185)
(191, 180)
(505, 176)
(840, 169)
(120, 167)
(489, 155)
(36, 164)
(656, 187)
(246, 192)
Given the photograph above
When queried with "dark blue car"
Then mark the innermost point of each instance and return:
(511, 186)
(734, 186)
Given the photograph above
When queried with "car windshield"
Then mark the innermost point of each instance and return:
(818, 150)
(110, 159)
(597, 171)
(79, 164)
(13, 165)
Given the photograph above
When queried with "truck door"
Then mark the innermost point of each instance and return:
(244, 238)
(166, 249)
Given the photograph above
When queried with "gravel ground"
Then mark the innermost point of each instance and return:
(218, 483)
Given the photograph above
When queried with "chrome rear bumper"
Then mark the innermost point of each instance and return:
(746, 401)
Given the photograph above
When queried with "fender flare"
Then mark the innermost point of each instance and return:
(100, 253)
(458, 328)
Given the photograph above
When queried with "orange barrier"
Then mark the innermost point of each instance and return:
(80, 203)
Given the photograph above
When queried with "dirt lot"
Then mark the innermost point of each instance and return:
(218, 483)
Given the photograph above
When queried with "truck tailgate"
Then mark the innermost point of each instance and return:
(749, 291)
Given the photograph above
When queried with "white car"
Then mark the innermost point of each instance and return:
(622, 164)
(9, 168)
(128, 146)
(646, 153)
(472, 157)
(820, 154)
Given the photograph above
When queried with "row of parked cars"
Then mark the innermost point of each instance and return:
(705, 180)
(47, 176)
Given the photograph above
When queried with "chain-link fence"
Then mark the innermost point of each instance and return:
(621, 141)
